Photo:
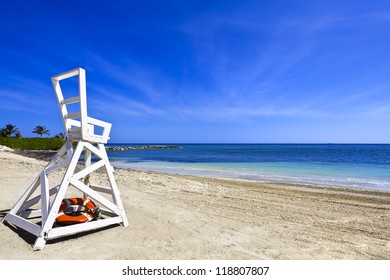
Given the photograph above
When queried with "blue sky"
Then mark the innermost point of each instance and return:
(204, 71)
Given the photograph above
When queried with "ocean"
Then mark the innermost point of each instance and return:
(349, 165)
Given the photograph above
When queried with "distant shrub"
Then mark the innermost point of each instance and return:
(32, 143)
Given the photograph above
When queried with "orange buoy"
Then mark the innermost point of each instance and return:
(76, 210)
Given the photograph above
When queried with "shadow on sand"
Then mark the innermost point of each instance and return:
(30, 238)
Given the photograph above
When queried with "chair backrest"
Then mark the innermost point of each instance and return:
(78, 125)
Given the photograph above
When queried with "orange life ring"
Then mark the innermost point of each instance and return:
(76, 210)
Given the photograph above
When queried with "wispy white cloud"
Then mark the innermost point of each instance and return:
(127, 106)
(27, 95)
(379, 110)
(22, 102)
(243, 69)
(256, 100)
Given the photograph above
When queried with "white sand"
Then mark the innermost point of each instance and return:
(185, 217)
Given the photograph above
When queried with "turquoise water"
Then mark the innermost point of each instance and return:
(352, 165)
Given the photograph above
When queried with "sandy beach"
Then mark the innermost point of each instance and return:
(186, 217)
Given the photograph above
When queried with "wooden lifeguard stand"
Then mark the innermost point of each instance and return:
(81, 128)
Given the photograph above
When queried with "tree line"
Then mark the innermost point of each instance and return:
(10, 130)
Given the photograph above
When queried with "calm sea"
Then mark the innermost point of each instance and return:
(353, 165)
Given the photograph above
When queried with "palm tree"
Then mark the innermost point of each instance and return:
(60, 135)
(8, 130)
(40, 130)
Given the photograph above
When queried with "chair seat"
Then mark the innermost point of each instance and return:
(78, 125)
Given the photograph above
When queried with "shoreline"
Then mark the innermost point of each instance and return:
(266, 182)
(169, 168)
(45, 156)
(225, 172)
(191, 217)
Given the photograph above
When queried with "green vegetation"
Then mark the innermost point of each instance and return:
(32, 143)
(10, 136)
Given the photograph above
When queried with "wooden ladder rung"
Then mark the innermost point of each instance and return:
(73, 115)
(71, 100)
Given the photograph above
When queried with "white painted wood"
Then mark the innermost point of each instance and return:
(60, 153)
(68, 230)
(66, 75)
(36, 199)
(101, 189)
(24, 197)
(82, 130)
(108, 213)
(56, 166)
(88, 157)
(88, 170)
(87, 164)
(98, 197)
(103, 138)
(73, 115)
(75, 130)
(115, 191)
(45, 197)
(83, 103)
(24, 224)
(74, 123)
(94, 150)
(57, 160)
(70, 100)
(60, 98)
(69, 149)
(39, 243)
(48, 224)
(31, 214)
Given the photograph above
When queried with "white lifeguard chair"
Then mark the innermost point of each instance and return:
(82, 129)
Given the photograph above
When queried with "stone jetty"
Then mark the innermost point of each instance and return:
(147, 147)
